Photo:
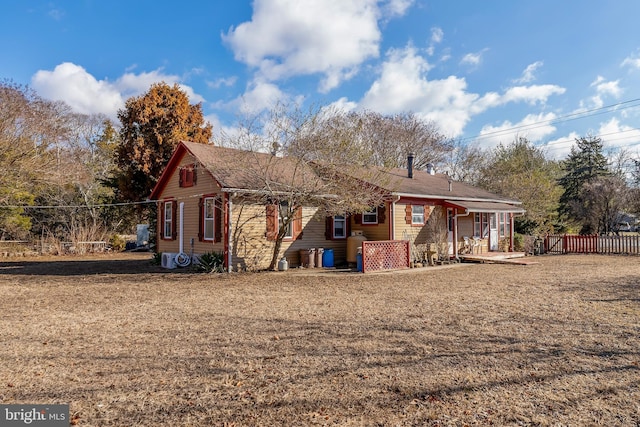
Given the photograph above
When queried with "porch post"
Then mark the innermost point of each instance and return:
(511, 231)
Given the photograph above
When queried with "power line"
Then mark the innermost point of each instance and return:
(105, 205)
(561, 119)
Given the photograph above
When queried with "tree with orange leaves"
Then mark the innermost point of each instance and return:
(152, 126)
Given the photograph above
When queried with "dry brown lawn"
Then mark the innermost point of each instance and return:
(129, 344)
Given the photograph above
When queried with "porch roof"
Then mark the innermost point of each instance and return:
(486, 206)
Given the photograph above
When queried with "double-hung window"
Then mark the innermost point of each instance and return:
(168, 219)
(208, 218)
(283, 218)
(417, 214)
(370, 216)
(339, 227)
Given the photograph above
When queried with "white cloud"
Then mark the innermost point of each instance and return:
(437, 35)
(342, 104)
(473, 59)
(74, 85)
(534, 127)
(397, 7)
(632, 61)
(300, 37)
(616, 135)
(260, 96)
(528, 75)
(604, 87)
(226, 82)
(560, 148)
(85, 94)
(403, 86)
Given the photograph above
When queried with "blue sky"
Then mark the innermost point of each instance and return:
(484, 72)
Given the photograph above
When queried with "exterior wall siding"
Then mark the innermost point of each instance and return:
(252, 251)
(190, 196)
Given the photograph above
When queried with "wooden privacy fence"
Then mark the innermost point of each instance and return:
(592, 244)
(378, 255)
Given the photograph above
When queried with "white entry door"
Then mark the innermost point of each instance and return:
(493, 232)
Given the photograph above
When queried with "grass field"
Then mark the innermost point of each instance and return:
(129, 344)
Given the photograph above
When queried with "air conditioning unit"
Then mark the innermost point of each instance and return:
(169, 260)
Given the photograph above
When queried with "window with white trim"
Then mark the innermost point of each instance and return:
(339, 227)
(417, 214)
(168, 219)
(208, 218)
(370, 216)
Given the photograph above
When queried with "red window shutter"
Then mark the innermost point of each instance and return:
(328, 228)
(358, 218)
(181, 177)
(218, 215)
(174, 222)
(272, 222)
(201, 219)
(161, 221)
(381, 214)
(297, 223)
(408, 214)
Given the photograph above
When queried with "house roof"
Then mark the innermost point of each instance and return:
(240, 170)
(439, 186)
(486, 206)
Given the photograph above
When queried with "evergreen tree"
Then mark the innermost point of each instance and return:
(585, 163)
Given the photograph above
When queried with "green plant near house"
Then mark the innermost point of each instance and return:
(210, 262)
(156, 258)
(518, 242)
(117, 243)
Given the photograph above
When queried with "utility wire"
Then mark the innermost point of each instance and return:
(561, 119)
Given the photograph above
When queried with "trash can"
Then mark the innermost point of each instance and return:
(307, 258)
(327, 258)
(359, 261)
(312, 257)
(319, 252)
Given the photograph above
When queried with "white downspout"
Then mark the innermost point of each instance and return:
(181, 243)
(182, 259)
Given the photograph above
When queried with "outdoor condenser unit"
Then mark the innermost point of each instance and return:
(169, 260)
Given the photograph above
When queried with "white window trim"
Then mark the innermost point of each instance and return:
(168, 219)
(415, 215)
(372, 212)
(343, 220)
(206, 219)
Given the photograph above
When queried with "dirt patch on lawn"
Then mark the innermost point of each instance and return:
(127, 343)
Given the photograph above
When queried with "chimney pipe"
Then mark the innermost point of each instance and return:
(410, 165)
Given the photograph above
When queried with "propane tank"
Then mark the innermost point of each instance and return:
(283, 265)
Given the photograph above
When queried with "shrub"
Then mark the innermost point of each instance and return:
(117, 243)
(210, 262)
(156, 258)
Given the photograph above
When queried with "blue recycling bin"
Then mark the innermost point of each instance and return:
(327, 258)
(359, 262)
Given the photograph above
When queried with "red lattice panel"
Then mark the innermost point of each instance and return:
(378, 255)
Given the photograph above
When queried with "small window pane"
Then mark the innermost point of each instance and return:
(339, 226)
(370, 216)
(209, 212)
(417, 214)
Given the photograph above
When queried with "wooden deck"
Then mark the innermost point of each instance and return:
(516, 258)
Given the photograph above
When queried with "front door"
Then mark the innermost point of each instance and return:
(493, 232)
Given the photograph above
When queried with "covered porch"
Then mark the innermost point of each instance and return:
(482, 227)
